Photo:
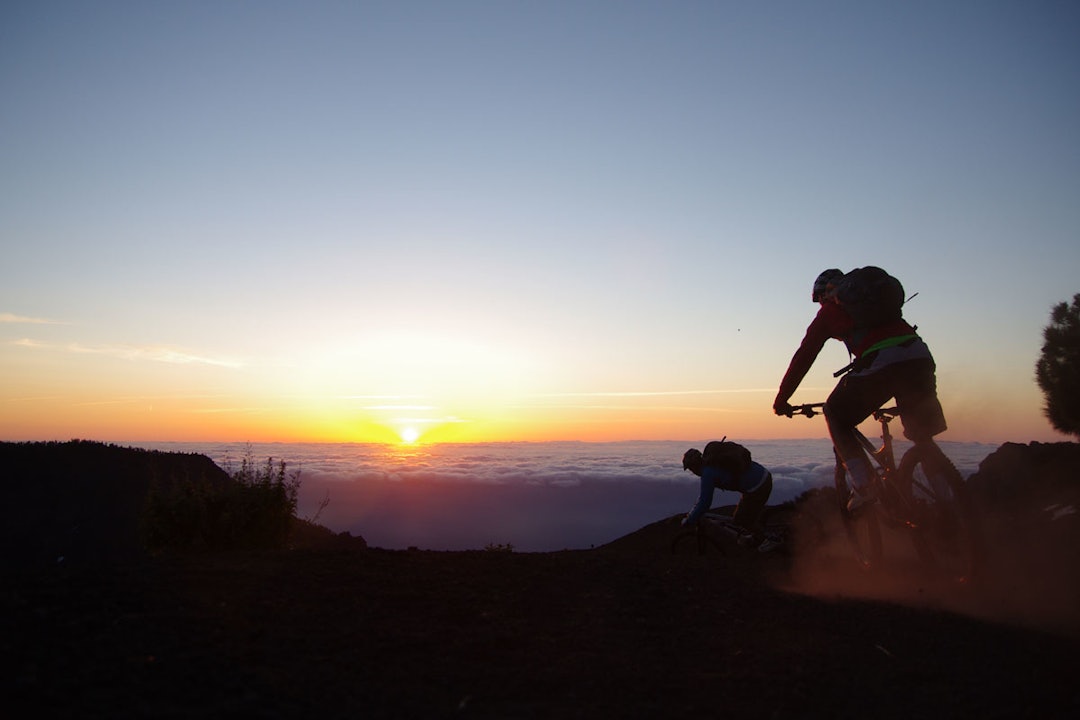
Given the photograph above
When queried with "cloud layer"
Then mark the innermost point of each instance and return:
(534, 496)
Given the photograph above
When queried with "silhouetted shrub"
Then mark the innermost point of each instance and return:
(253, 509)
(1058, 369)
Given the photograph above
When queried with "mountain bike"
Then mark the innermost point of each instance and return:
(784, 528)
(924, 497)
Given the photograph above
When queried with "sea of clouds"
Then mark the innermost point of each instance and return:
(536, 497)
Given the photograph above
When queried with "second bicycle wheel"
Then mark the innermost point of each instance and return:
(863, 530)
(795, 529)
(947, 534)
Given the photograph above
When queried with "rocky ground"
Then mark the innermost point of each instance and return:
(331, 628)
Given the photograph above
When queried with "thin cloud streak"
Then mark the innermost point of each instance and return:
(35, 399)
(379, 397)
(135, 400)
(230, 410)
(656, 408)
(22, 319)
(430, 421)
(153, 353)
(655, 393)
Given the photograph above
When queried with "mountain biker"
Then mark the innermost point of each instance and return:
(754, 485)
(890, 360)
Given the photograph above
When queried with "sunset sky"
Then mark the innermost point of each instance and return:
(515, 220)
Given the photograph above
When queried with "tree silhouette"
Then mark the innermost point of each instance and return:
(1058, 369)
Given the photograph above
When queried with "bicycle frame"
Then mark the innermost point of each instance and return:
(725, 524)
(712, 521)
(894, 505)
(928, 506)
(884, 456)
(718, 529)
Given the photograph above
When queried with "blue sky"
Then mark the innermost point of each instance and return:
(518, 220)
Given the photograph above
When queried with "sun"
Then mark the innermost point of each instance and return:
(409, 435)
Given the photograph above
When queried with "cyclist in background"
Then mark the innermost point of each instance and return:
(754, 485)
(890, 361)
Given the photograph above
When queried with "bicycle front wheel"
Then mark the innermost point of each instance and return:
(696, 541)
(863, 530)
(946, 527)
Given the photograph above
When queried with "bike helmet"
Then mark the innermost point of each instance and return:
(824, 280)
(692, 459)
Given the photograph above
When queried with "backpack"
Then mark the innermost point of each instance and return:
(871, 296)
(727, 455)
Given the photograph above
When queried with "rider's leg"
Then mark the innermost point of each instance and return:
(917, 400)
(751, 508)
(921, 413)
(851, 402)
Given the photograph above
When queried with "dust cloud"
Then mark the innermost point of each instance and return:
(1029, 575)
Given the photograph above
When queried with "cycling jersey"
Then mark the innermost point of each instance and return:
(833, 322)
(891, 361)
(713, 477)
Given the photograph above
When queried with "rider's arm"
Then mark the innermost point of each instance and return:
(709, 477)
(826, 324)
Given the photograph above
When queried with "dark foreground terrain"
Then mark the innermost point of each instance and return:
(331, 629)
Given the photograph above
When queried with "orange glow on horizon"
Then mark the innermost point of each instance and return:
(214, 419)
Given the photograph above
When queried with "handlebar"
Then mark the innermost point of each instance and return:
(812, 409)
(809, 410)
(886, 414)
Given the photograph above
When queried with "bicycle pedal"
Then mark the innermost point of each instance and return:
(858, 503)
(768, 545)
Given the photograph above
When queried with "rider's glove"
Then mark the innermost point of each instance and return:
(782, 407)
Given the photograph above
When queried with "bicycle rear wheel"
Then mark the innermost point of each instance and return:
(863, 530)
(946, 533)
